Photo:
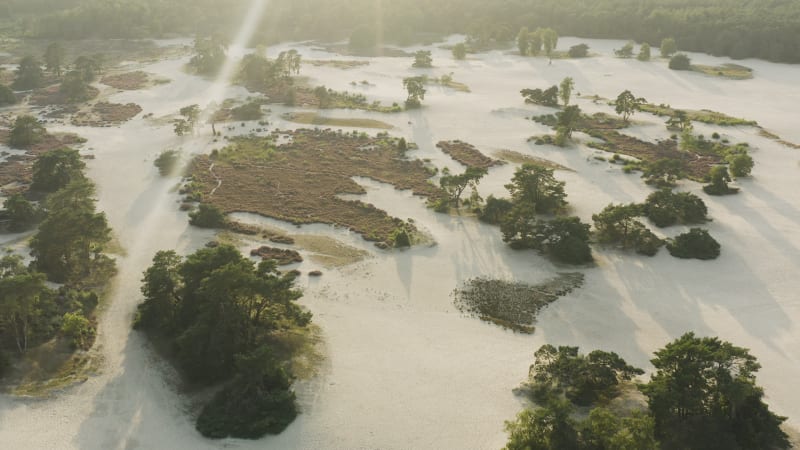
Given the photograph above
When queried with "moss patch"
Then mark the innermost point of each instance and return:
(510, 304)
(310, 118)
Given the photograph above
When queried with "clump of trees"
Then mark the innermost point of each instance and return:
(567, 121)
(209, 55)
(578, 51)
(703, 395)
(618, 225)
(666, 208)
(532, 43)
(186, 125)
(166, 162)
(21, 213)
(547, 97)
(227, 321)
(455, 185)
(207, 216)
(626, 51)
(27, 131)
(719, 179)
(7, 96)
(422, 60)
(29, 74)
(644, 52)
(55, 169)
(668, 47)
(262, 74)
(535, 191)
(663, 172)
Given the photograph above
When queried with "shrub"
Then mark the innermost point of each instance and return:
(400, 238)
(680, 62)
(78, 328)
(740, 164)
(579, 51)
(207, 216)
(7, 96)
(166, 162)
(665, 208)
(495, 210)
(697, 244)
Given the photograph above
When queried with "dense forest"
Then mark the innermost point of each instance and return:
(768, 29)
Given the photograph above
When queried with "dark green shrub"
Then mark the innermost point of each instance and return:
(696, 244)
(167, 161)
(680, 62)
(207, 216)
(495, 210)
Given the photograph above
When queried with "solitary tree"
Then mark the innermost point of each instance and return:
(719, 178)
(644, 52)
(460, 51)
(549, 41)
(416, 91)
(209, 54)
(567, 122)
(56, 169)
(741, 164)
(579, 51)
(668, 47)
(627, 104)
(537, 188)
(663, 172)
(567, 84)
(523, 41)
(74, 87)
(54, 58)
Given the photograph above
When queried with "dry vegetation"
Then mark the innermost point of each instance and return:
(283, 257)
(729, 71)
(336, 64)
(300, 181)
(131, 81)
(467, 154)
(702, 116)
(104, 114)
(310, 118)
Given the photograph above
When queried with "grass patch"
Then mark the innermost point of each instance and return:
(702, 116)
(772, 136)
(728, 71)
(300, 180)
(329, 252)
(520, 158)
(104, 114)
(511, 304)
(310, 118)
(467, 154)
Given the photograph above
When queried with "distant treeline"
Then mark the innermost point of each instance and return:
(767, 29)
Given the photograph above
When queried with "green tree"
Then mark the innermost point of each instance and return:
(7, 96)
(166, 162)
(29, 74)
(537, 187)
(73, 87)
(187, 124)
(607, 431)
(740, 164)
(579, 51)
(668, 47)
(666, 208)
(455, 185)
(535, 42)
(460, 51)
(627, 104)
(703, 395)
(679, 121)
(680, 62)
(27, 130)
(78, 328)
(209, 55)
(21, 294)
(523, 41)
(495, 210)
(549, 41)
(644, 52)
(719, 178)
(207, 216)
(663, 172)
(69, 244)
(56, 169)
(548, 428)
(416, 91)
(618, 224)
(626, 51)
(88, 67)
(548, 97)
(22, 214)
(54, 58)
(422, 59)
(695, 244)
(567, 122)
(565, 90)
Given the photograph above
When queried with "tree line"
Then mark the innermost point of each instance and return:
(736, 28)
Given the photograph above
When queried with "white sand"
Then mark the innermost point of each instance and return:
(404, 368)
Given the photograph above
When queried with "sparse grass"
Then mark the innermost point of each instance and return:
(728, 71)
(772, 136)
(310, 118)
